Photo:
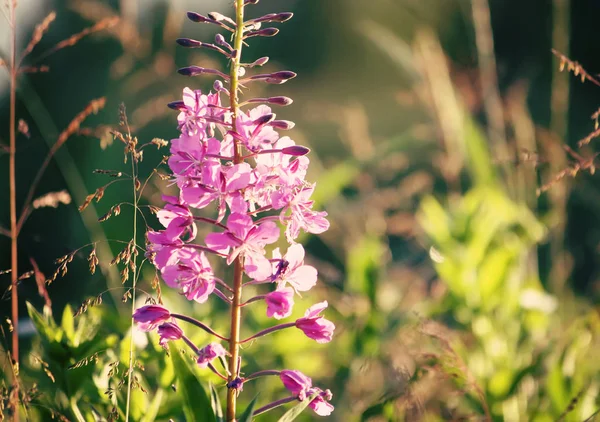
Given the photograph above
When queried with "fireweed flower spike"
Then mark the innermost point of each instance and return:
(230, 157)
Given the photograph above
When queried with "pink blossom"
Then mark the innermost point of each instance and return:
(299, 205)
(150, 316)
(291, 269)
(169, 331)
(192, 119)
(320, 404)
(255, 136)
(192, 274)
(222, 185)
(246, 239)
(189, 154)
(296, 382)
(176, 218)
(314, 325)
(210, 352)
(280, 303)
(163, 249)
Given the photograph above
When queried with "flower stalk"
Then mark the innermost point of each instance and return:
(236, 300)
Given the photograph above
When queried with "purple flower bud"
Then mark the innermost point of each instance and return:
(275, 17)
(282, 101)
(264, 119)
(188, 42)
(314, 325)
(220, 40)
(275, 78)
(150, 316)
(210, 352)
(259, 62)
(196, 17)
(283, 124)
(196, 70)
(219, 17)
(177, 105)
(296, 150)
(169, 331)
(267, 32)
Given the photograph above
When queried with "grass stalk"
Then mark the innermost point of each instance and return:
(13, 210)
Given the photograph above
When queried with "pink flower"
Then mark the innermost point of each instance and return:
(192, 118)
(314, 325)
(301, 386)
(291, 269)
(296, 382)
(222, 185)
(150, 316)
(280, 303)
(256, 136)
(169, 331)
(193, 274)
(162, 249)
(320, 404)
(210, 352)
(188, 154)
(176, 218)
(246, 239)
(301, 216)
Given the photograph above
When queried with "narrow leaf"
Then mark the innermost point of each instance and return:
(249, 412)
(295, 411)
(216, 404)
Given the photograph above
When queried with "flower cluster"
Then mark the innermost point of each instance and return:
(234, 162)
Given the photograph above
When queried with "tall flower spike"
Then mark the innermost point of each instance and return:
(231, 156)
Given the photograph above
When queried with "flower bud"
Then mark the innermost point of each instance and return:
(188, 42)
(246, 2)
(177, 105)
(220, 40)
(150, 316)
(267, 32)
(314, 325)
(216, 16)
(283, 124)
(280, 303)
(296, 150)
(282, 101)
(169, 331)
(196, 17)
(259, 62)
(264, 119)
(275, 17)
(196, 70)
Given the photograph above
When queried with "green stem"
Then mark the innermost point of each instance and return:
(14, 275)
(134, 281)
(234, 337)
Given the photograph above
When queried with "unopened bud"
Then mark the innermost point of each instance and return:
(282, 101)
(263, 120)
(246, 2)
(282, 124)
(196, 70)
(267, 32)
(219, 17)
(259, 62)
(188, 42)
(176, 105)
(275, 17)
(296, 150)
(220, 40)
(196, 17)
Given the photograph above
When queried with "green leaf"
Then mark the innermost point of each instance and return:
(295, 411)
(196, 404)
(249, 412)
(42, 326)
(68, 324)
(216, 404)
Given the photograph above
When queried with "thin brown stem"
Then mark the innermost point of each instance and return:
(234, 337)
(13, 210)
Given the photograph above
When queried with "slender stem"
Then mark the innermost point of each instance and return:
(234, 337)
(199, 325)
(253, 299)
(134, 280)
(264, 373)
(275, 404)
(13, 209)
(269, 331)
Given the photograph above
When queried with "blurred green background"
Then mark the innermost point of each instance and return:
(458, 293)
